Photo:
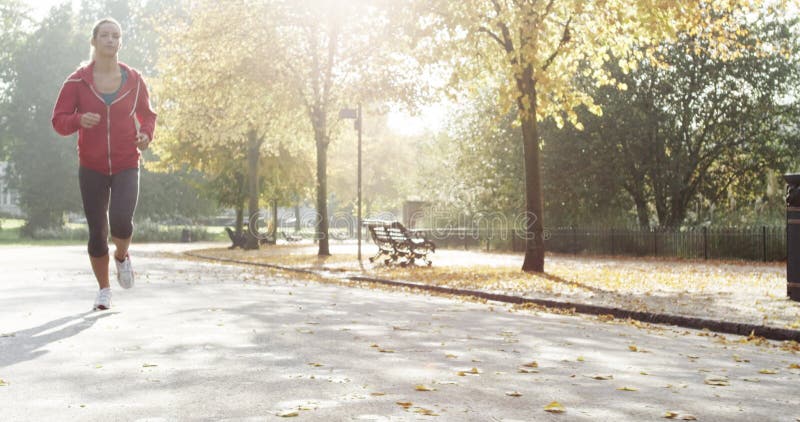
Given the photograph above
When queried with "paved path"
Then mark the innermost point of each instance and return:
(201, 341)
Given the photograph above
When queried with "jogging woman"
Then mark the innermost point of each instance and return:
(107, 103)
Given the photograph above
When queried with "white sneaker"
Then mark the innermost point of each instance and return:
(103, 300)
(124, 272)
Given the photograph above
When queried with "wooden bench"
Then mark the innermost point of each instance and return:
(398, 244)
(291, 238)
(240, 241)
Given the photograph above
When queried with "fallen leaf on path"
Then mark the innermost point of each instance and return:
(149, 365)
(315, 364)
(751, 379)
(580, 359)
(676, 415)
(555, 407)
(405, 404)
(528, 371)
(626, 388)
(601, 376)
(768, 372)
(451, 356)
(377, 393)
(289, 413)
(717, 380)
(426, 412)
(3, 383)
(794, 366)
(633, 348)
(513, 393)
(533, 364)
(423, 387)
(386, 350)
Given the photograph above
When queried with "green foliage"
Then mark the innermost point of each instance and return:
(44, 166)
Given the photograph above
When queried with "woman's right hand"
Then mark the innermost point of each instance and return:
(89, 120)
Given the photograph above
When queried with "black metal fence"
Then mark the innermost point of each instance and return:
(750, 243)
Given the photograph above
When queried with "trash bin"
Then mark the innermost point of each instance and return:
(186, 236)
(793, 235)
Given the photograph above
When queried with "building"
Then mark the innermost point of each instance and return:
(9, 198)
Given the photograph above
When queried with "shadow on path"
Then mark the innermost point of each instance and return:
(25, 345)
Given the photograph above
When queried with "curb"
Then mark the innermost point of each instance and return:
(742, 329)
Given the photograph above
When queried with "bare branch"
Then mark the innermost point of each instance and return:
(565, 38)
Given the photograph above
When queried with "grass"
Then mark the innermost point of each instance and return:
(747, 292)
(75, 234)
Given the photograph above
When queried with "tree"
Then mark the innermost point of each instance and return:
(694, 126)
(12, 37)
(223, 108)
(537, 48)
(335, 54)
(44, 164)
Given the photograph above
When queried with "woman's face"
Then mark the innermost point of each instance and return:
(108, 40)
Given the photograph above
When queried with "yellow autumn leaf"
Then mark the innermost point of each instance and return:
(451, 356)
(149, 365)
(626, 388)
(768, 372)
(513, 393)
(533, 364)
(377, 393)
(315, 364)
(426, 412)
(423, 387)
(3, 383)
(405, 404)
(555, 407)
(671, 415)
(633, 348)
(289, 414)
(717, 380)
(794, 366)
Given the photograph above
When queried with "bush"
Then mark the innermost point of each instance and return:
(154, 232)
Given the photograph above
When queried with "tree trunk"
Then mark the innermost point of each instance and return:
(274, 221)
(534, 226)
(322, 195)
(240, 179)
(254, 145)
(297, 218)
(239, 218)
(642, 213)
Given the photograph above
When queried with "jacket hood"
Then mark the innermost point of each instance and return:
(86, 73)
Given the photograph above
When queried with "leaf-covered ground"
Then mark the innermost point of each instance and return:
(743, 292)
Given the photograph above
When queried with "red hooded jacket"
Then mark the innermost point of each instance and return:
(110, 146)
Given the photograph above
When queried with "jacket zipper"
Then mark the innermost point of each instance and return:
(108, 122)
(108, 136)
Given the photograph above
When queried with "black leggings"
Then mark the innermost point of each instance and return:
(108, 199)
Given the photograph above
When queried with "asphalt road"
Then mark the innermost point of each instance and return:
(203, 341)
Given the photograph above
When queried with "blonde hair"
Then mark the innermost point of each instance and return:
(96, 29)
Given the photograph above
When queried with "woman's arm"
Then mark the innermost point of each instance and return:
(66, 120)
(145, 113)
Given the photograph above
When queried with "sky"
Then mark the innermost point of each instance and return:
(41, 7)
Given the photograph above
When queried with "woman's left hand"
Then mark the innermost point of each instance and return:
(142, 141)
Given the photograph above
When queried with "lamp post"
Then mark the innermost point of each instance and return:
(355, 114)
